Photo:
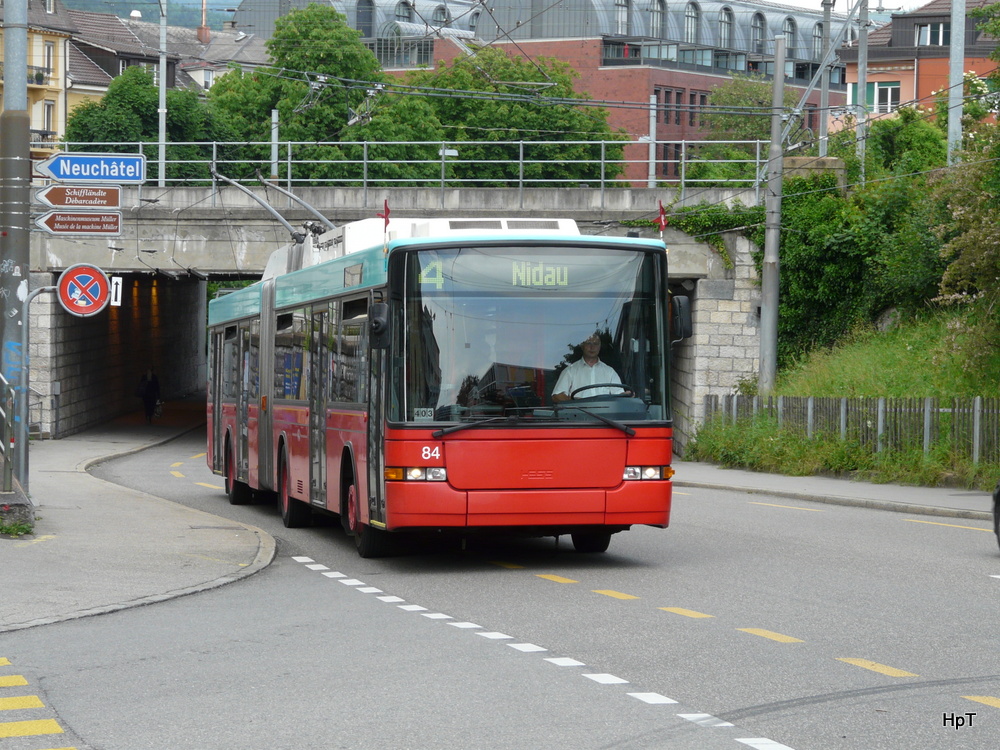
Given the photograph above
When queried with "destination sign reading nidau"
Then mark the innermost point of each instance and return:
(118, 168)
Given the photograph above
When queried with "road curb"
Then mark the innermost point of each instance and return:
(857, 502)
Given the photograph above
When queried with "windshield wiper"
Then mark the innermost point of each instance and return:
(607, 420)
(512, 418)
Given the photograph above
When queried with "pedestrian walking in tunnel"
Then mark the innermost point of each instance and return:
(149, 391)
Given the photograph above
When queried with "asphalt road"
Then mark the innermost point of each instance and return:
(770, 622)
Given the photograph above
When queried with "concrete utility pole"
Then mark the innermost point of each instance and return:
(162, 110)
(956, 79)
(824, 91)
(862, 102)
(772, 230)
(15, 207)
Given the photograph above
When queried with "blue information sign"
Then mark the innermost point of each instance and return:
(127, 169)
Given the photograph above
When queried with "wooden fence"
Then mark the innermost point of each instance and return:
(970, 426)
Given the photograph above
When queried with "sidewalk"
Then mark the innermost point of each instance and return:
(99, 547)
(929, 501)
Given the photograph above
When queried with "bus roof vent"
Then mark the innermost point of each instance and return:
(535, 225)
(459, 225)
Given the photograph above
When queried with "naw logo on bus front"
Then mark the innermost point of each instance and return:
(539, 274)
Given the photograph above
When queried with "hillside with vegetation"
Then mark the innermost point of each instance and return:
(888, 289)
(187, 15)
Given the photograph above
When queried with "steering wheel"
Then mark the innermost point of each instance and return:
(627, 392)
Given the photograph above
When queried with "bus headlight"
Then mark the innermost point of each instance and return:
(418, 474)
(647, 472)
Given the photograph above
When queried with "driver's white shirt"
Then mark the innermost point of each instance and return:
(580, 374)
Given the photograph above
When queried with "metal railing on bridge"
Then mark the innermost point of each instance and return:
(602, 165)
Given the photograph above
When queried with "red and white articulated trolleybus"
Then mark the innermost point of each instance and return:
(404, 380)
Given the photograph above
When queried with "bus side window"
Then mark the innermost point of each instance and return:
(230, 363)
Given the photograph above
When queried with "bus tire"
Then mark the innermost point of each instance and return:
(370, 542)
(591, 541)
(239, 493)
(294, 513)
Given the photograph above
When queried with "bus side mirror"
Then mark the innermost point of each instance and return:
(378, 325)
(680, 318)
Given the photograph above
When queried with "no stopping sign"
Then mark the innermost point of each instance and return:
(84, 290)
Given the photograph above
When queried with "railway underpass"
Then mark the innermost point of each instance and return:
(176, 241)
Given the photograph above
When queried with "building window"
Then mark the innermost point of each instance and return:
(883, 97)
(366, 18)
(697, 101)
(50, 6)
(886, 97)
(404, 12)
(473, 22)
(657, 16)
(621, 17)
(788, 29)
(933, 34)
(818, 42)
(726, 28)
(440, 17)
(757, 34)
(692, 20)
(50, 57)
(49, 116)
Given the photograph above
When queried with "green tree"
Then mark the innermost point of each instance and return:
(739, 110)
(328, 88)
(491, 101)
(127, 116)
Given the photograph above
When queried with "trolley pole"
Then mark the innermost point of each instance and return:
(772, 230)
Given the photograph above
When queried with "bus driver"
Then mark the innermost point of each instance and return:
(589, 370)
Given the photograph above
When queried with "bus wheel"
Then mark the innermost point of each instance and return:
(369, 541)
(591, 541)
(294, 514)
(239, 492)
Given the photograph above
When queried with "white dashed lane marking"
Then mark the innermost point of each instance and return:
(601, 678)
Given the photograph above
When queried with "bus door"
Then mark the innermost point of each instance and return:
(375, 362)
(215, 384)
(265, 424)
(318, 374)
(242, 404)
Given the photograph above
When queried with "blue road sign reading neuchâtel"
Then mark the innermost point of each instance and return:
(89, 168)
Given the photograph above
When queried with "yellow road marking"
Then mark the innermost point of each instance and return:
(29, 728)
(509, 566)
(178, 463)
(20, 701)
(614, 594)
(198, 455)
(557, 579)
(874, 666)
(984, 699)
(772, 635)
(685, 612)
(12, 680)
(4, 662)
(177, 474)
(952, 525)
(681, 493)
(36, 540)
(790, 507)
(210, 486)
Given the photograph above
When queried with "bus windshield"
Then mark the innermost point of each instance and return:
(487, 332)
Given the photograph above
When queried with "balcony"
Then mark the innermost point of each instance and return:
(37, 76)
